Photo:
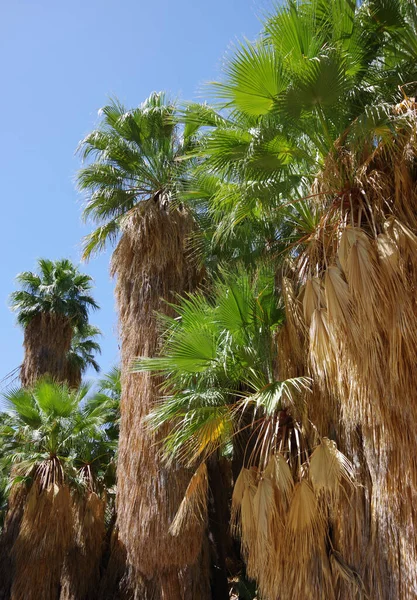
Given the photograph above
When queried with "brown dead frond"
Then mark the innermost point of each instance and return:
(279, 471)
(194, 504)
(43, 541)
(360, 350)
(47, 340)
(328, 468)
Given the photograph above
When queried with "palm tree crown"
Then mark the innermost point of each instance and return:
(57, 288)
(135, 154)
(54, 432)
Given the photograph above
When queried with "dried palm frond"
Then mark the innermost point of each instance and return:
(322, 345)
(360, 349)
(279, 471)
(313, 299)
(237, 497)
(328, 468)
(265, 512)
(304, 515)
(338, 298)
(194, 504)
(249, 529)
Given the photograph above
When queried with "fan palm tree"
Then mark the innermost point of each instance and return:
(50, 305)
(328, 90)
(131, 187)
(55, 443)
(321, 72)
(223, 393)
(3, 471)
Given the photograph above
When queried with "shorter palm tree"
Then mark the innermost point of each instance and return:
(50, 305)
(224, 394)
(219, 361)
(57, 445)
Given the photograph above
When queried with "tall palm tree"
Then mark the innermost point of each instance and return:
(324, 102)
(56, 444)
(50, 305)
(131, 187)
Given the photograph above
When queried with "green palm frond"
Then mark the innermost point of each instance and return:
(218, 361)
(133, 156)
(255, 79)
(59, 288)
(84, 348)
(50, 431)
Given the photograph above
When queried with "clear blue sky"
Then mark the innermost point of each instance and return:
(60, 61)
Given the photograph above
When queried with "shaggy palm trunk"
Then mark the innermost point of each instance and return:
(46, 343)
(354, 314)
(152, 266)
(81, 571)
(8, 537)
(42, 543)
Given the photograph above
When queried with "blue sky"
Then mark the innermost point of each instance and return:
(60, 61)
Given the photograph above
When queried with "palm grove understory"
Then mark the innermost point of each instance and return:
(266, 280)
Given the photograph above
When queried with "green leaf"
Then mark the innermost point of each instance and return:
(255, 79)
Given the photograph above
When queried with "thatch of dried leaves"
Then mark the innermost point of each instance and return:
(47, 340)
(152, 265)
(352, 324)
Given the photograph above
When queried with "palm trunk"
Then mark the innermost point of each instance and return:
(46, 343)
(8, 537)
(361, 350)
(152, 266)
(81, 571)
(42, 543)
(222, 552)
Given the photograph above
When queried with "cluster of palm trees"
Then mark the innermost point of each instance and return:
(266, 286)
(58, 442)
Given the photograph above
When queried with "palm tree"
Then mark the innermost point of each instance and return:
(49, 306)
(3, 472)
(223, 395)
(131, 189)
(58, 447)
(313, 161)
(321, 72)
(81, 355)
